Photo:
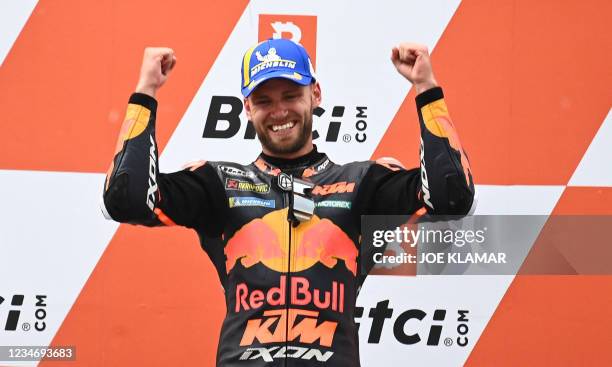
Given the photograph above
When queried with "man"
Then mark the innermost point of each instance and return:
(283, 232)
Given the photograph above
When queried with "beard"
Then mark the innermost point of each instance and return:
(281, 148)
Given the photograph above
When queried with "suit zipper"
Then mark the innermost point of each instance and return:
(289, 204)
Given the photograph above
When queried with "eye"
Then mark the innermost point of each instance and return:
(262, 102)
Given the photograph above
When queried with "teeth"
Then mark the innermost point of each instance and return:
(288, 125)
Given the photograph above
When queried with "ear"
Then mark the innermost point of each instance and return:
(315, 90)
(247, 107)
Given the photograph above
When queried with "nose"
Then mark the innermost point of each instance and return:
(279, 111)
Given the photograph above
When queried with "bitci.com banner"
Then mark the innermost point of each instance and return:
(523, 280)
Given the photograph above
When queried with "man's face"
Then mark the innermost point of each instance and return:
(281, 112)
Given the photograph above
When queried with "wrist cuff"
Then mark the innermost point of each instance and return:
(429, 96)
(144, 100)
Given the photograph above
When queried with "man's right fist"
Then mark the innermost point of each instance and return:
(157, 63)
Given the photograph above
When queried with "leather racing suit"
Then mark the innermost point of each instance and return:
(290, 286)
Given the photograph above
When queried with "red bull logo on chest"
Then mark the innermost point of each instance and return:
(266, 240)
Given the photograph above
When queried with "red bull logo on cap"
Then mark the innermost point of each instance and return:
(266, 240)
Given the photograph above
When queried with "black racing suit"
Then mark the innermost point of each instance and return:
(290, 289)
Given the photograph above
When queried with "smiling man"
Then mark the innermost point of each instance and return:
(283, 232)
(281, 112)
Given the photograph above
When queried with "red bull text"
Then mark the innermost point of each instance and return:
(301, 295)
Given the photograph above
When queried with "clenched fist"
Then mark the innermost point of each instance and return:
(413, 62)
(157, 63)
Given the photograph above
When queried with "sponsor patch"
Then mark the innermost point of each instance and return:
(323, 165)
(303, 325)
(335, 188)
(233, 171)
(152, 175)
(285, 182)
(239, 201)
(341, 204)
(233, 184)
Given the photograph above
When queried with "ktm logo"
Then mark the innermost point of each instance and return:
(335, 188)
(288, 328)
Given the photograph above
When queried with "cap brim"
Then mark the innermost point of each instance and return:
(294, 77)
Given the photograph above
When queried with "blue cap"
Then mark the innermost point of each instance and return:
(275, 58)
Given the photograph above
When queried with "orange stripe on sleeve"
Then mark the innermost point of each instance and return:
(163, 217)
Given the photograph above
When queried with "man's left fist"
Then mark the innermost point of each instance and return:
(413, 62)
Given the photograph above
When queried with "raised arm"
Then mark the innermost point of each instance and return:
(134, 190)
(443, 184)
